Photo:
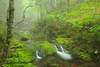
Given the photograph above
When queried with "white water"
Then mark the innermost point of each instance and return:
(38, 57)
(63, 54)
(26, 32)
(62, 48)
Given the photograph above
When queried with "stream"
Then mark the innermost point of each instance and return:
(63, 53)
(62, 58)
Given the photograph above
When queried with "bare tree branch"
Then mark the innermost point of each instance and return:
(23, 18)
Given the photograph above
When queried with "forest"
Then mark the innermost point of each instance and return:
(49, 33)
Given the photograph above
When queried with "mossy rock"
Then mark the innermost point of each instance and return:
(24, 38)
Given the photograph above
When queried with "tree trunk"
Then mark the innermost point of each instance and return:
(10, 18)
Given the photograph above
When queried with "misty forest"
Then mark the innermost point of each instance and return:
(49, 33)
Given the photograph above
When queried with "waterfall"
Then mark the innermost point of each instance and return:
(38, 57)
(62, 48)
(25, 32)
(37, 53)
(63, 54)
(40, 53)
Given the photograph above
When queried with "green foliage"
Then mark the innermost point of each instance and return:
(34, 66)
(62, 41)
(83, 55)
(20, 55)
(41, 29)
(55, 65)
(77, 30)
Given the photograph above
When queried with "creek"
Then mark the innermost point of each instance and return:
(63, 53)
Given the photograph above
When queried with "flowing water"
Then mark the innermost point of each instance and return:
(63, 54)
(42, 60)
(38, 57)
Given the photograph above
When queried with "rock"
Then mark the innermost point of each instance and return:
(24, 39)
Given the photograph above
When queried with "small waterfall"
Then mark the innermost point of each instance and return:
(62, 48)
(40, 53)
(38, 57)
(37, 50)
(63, 54)
(25, 32)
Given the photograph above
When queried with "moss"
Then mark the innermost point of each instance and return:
(12, 8)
